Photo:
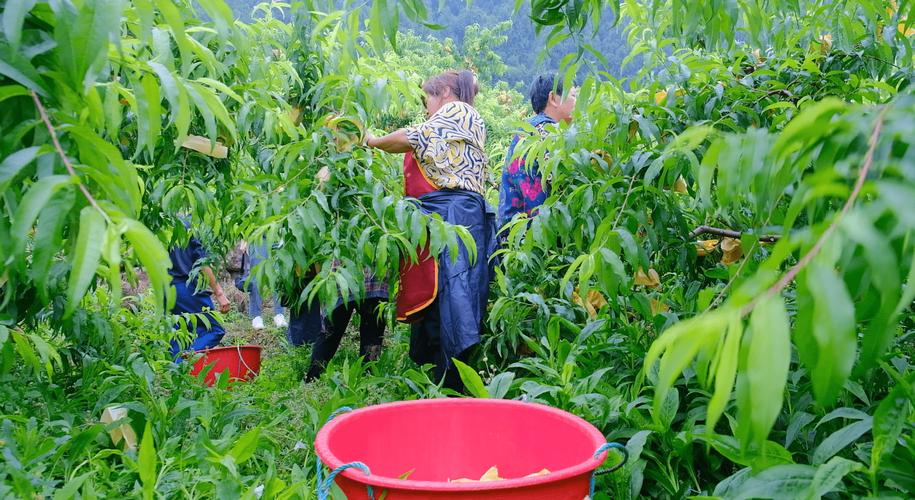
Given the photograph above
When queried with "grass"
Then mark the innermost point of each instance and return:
(291, 410)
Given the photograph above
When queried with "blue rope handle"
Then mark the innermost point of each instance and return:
(320, 472)
(604, 447)
(342, 409)
(324, 485)
(324, 489)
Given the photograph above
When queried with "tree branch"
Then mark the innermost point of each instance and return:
(728, 233)
(63, 156)
(619, 215)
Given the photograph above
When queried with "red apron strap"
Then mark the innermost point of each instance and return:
(419, 281)
(416, 183)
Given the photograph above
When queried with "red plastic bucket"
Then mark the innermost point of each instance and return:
(243, 362)
(442, 439)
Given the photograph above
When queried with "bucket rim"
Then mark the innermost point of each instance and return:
(230, 348)
(588, 465)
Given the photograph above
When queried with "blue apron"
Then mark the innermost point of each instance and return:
(463, 286)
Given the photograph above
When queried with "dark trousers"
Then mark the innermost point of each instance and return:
(371, 333)
(304, 323)
(426, 348)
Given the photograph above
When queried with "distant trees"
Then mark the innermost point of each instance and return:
(500, 31)
(521, 50)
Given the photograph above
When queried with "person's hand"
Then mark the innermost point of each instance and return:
(367, 139)
(243, 246)
(222, 302)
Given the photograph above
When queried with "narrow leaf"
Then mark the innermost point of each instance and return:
(86, 256)
(147, 463)
(839, 440)
(30, 206)
(471, 379)
(246, 446)
(768, 360)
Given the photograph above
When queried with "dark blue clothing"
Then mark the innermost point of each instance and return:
(305, 323)
(463, 288)
(188, 302)
(183, 261)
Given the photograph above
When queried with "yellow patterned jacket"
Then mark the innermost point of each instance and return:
(449, 148)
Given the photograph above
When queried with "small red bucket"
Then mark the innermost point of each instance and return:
(243, 362)
(442, 439)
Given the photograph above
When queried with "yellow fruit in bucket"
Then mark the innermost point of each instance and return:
(492, 474)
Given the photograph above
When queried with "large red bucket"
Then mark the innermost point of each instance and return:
(243, 362)
(442, 439)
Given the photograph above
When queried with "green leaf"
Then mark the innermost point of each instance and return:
(768, 357)
(213, 103)
(30, 206)
(221, 14)
(246, 446)
(155, 260)
(889, 420)
(10, 91)
(176, 24)
(82, 42)
(14, 163)
(47, 352)
(680, 344)
(25, 350)
(830, 475)
(48, 236)
(14, 13)
(111, 252)
(86, 256)
(668, 410)
(771, 453)
(471, 380)
(176, 94)
(147, 463)
(216, 84)
(390, 21)
(70, 489)
(149, 100)
(146, 15)
(884, 268)
(806, 125)
(909, 294)
(833, 330)
(839, 440)
(107, 167)
(113, 109)
(844, 412)
(209, 118)
(777, 483)
(725, 372)
(16, 67)
(500, 384)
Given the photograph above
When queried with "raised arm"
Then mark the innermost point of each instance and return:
(395, 142)
(222, 303)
